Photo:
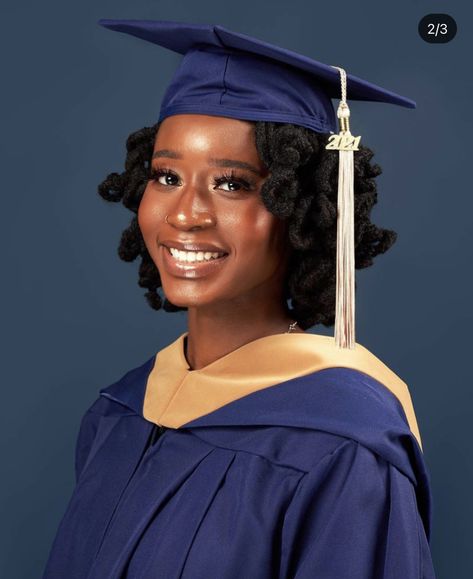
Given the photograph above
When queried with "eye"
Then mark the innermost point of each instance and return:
(233, 180)
(163, 176)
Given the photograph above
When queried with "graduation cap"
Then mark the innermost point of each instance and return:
(229, 74)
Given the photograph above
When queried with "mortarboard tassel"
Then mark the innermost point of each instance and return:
(345, 143)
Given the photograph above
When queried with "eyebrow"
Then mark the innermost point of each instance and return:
(214, 162)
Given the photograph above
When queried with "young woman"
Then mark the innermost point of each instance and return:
(248, 447)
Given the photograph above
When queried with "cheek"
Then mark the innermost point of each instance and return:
(264, 244)
(150, 214)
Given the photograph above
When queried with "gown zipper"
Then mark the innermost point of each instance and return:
(158, 430)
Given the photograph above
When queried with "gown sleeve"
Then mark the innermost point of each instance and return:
(354, 515)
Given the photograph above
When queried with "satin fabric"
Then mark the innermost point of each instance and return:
(318, 476)
(175, 394)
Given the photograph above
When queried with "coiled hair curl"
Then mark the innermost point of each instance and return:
(301, 188)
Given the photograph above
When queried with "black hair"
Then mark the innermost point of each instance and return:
(301, 188)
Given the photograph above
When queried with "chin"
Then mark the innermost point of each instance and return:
(194, 299)
(183, 300)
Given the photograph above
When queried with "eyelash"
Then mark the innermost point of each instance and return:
(157, 172)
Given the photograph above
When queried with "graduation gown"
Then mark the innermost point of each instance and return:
(287, 458)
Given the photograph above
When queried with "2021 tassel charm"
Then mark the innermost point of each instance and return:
(345, 143)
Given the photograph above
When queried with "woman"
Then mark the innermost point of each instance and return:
(247, 448)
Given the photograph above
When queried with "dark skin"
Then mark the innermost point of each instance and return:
(242, 299)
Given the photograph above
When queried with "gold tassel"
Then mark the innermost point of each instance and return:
(345, 143)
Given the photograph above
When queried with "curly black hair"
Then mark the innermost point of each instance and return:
(301, 188)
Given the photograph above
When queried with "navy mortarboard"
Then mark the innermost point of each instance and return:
(225, 73)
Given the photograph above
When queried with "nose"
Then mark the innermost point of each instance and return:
(190, 212)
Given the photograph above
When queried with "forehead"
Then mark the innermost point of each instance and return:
(196, 133)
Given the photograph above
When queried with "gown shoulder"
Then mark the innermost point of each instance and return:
(355, 515)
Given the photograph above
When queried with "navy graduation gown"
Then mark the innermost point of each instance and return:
(285, 459)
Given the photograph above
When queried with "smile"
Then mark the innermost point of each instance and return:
(192, 264)
(194, 256)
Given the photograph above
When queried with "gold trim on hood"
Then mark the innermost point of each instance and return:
(175, 394)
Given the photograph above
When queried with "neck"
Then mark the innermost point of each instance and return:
(215, 331)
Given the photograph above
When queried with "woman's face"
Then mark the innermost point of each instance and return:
(205, 195)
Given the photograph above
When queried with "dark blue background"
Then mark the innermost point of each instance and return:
(73, 317)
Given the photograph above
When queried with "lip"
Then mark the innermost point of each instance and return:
(193, 246)
(192, 269)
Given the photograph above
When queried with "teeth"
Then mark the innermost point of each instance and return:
(191, 256)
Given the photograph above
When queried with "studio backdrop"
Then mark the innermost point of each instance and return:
(74, 318)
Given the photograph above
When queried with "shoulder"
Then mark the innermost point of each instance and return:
(350, 459)
(311, 450)
(362, 483)
(365, 387)
(354, 514)
(119, 399)
(360, 368)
